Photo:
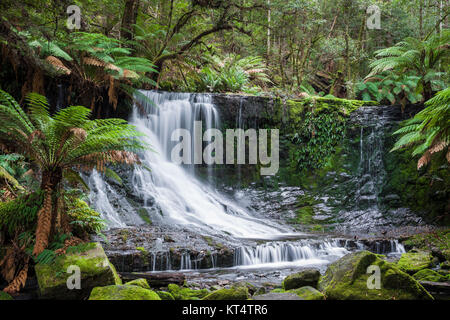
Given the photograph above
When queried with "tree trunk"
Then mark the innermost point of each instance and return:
(129, 18)
(47, 215)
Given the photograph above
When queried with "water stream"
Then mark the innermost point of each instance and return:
(173, 195)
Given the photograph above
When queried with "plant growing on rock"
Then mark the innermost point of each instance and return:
(59, 144)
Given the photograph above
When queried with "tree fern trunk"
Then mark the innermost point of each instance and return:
(48, 214)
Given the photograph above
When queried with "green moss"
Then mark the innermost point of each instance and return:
(143, 213)
(139, 282)
(429, 275)
(412, 262)
(308, 293)
(123, 292)
(304, 278)
(164, 295)
(278, 290)
(5, 296)
(239, 293)
(180, 293)
(346, 279)
(95, 268)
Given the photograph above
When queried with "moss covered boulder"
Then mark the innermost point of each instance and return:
(308, 277)
(180, 293)
(412, 262)
(139, 282)
(429, 275)
(348, 279)
(308, 293)
(5, 296)
(236, 293)
(123, 292)
(164, 295)
(95, 271)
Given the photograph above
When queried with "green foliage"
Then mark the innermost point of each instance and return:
(83, 218)
(315, 140)
(232, 73)
(67, 139)
(392, 88)
(422, 58)
(429, 130)
(20, 213)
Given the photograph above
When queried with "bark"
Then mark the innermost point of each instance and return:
(129, 17)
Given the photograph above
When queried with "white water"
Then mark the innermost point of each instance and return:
(180, 198)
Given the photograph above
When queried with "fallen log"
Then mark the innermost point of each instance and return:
(156, 279)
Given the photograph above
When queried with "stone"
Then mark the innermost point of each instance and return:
(429, 275)
(95, 271)
(139, 282)
(164, 295)
(277, 296)
(308, 277)
(308, 293)
(412, 262)
(123, 292)
(180, 293)
(239, 293)
(348, 279)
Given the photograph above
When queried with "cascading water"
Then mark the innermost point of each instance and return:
(172, 192)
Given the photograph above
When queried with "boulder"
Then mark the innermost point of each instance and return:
(429, 275)
(308, 293)
(123, 292)
(277, 296)
(180, 293)
(164, 295)
(237, 293)
(412, 262)
(95, 271)
(308, 277)
(139, 282)
(348, 279)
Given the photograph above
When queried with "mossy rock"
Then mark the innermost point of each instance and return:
(123, 292)
(95, 271)
(5, 296)
(308, 277)
(239, 293)
(429, 275)
(139, 282)
(445, 265)
(180, 293)
(347, 279)
(412, 262)
(164, 295)
(308, 293)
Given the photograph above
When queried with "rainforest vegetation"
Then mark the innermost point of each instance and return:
(67, 87)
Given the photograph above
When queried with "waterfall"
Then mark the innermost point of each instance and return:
(171, 192)
(284, 254)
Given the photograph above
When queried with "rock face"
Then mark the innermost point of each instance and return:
(95, 271)
(123, 292)
(347, 279)
(412, 262)
(308, 277)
